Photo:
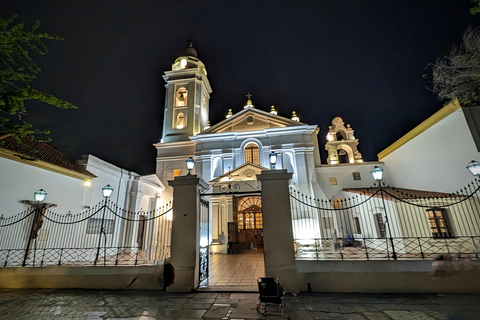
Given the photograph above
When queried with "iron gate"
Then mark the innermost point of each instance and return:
(204, 241)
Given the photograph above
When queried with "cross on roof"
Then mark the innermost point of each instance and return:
(248, 95)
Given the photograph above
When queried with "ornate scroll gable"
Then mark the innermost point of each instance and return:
(341, 142)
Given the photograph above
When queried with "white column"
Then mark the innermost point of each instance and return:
(185, 232)
(215, 218)
(277, 228)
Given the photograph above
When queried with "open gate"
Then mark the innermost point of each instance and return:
(204, 241)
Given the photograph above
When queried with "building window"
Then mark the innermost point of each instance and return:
(356, 176)
(240, 221)
(180, 121)
(356, 223)
(437, 220)
(380, 225)
(328, 223)
(176, 173)
(252, 153)
(94, 226)
(258, 221)
(181, 97)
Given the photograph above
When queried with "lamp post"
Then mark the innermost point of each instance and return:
(273, 159)
(190, 165)
(39, 208)
(474, 167)
(106, 192)
(377, 174)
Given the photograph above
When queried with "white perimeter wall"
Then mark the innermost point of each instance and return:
(19, 181)
(436, 159)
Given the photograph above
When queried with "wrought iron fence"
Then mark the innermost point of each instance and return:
(383, 223)
(102, 235)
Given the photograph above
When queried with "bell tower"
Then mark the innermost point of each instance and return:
(341, 143)
(186, 99)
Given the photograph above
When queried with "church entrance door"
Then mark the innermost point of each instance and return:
(248, 217)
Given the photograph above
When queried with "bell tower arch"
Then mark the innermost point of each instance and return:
(187, 98)
(341, 144)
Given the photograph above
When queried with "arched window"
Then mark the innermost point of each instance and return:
(180, 121)
(252, 153)
(181, 97)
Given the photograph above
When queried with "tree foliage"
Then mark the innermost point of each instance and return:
(457, 75)
(476, 8)
(17, 72)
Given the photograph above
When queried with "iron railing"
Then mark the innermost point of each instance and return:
(387, 223)
(102, 235)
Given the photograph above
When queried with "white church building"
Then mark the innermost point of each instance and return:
(335, 213)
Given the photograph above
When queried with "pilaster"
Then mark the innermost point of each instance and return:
(277, 228)
(185, 232)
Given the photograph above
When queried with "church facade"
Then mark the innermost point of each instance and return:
(230, 154)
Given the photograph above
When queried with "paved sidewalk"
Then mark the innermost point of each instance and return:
(148, 305)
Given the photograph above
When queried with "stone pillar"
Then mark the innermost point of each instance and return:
(185, 232)
(277, 228)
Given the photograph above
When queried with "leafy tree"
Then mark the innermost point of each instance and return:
(17, 71)
(457, 75)
(476, 8)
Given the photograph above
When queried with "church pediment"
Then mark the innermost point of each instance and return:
(252, 119)
(246, 172)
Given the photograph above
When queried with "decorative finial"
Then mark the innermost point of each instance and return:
(249, 101)
(273, 111)
(207, 126)
(295, 117)
(230, 113)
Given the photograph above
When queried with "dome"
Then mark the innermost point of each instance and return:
(190, 51)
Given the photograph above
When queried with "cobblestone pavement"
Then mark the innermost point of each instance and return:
(148, 305)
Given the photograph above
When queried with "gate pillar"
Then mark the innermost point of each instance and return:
(185, 232)
(277, 228)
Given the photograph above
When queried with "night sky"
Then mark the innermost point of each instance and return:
(361, 60)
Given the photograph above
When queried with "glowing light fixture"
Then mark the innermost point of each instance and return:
(107, 191)
(273, 111)
(377, 174)
(87, 183)
(179, 126)
(273, 159)
(183, 63)
(190, 165)
(474, 167)
(295, 117)
(230, 113)
(40, 195)
(207, 126)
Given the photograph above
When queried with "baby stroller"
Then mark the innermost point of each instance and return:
(270, 292)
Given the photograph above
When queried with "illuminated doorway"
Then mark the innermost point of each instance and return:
(249, 220)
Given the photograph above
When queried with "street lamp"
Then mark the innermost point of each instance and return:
(474, 167)
(273, 159)
(190, 165)
(107, 191)
(377, 174)
(40, 195)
